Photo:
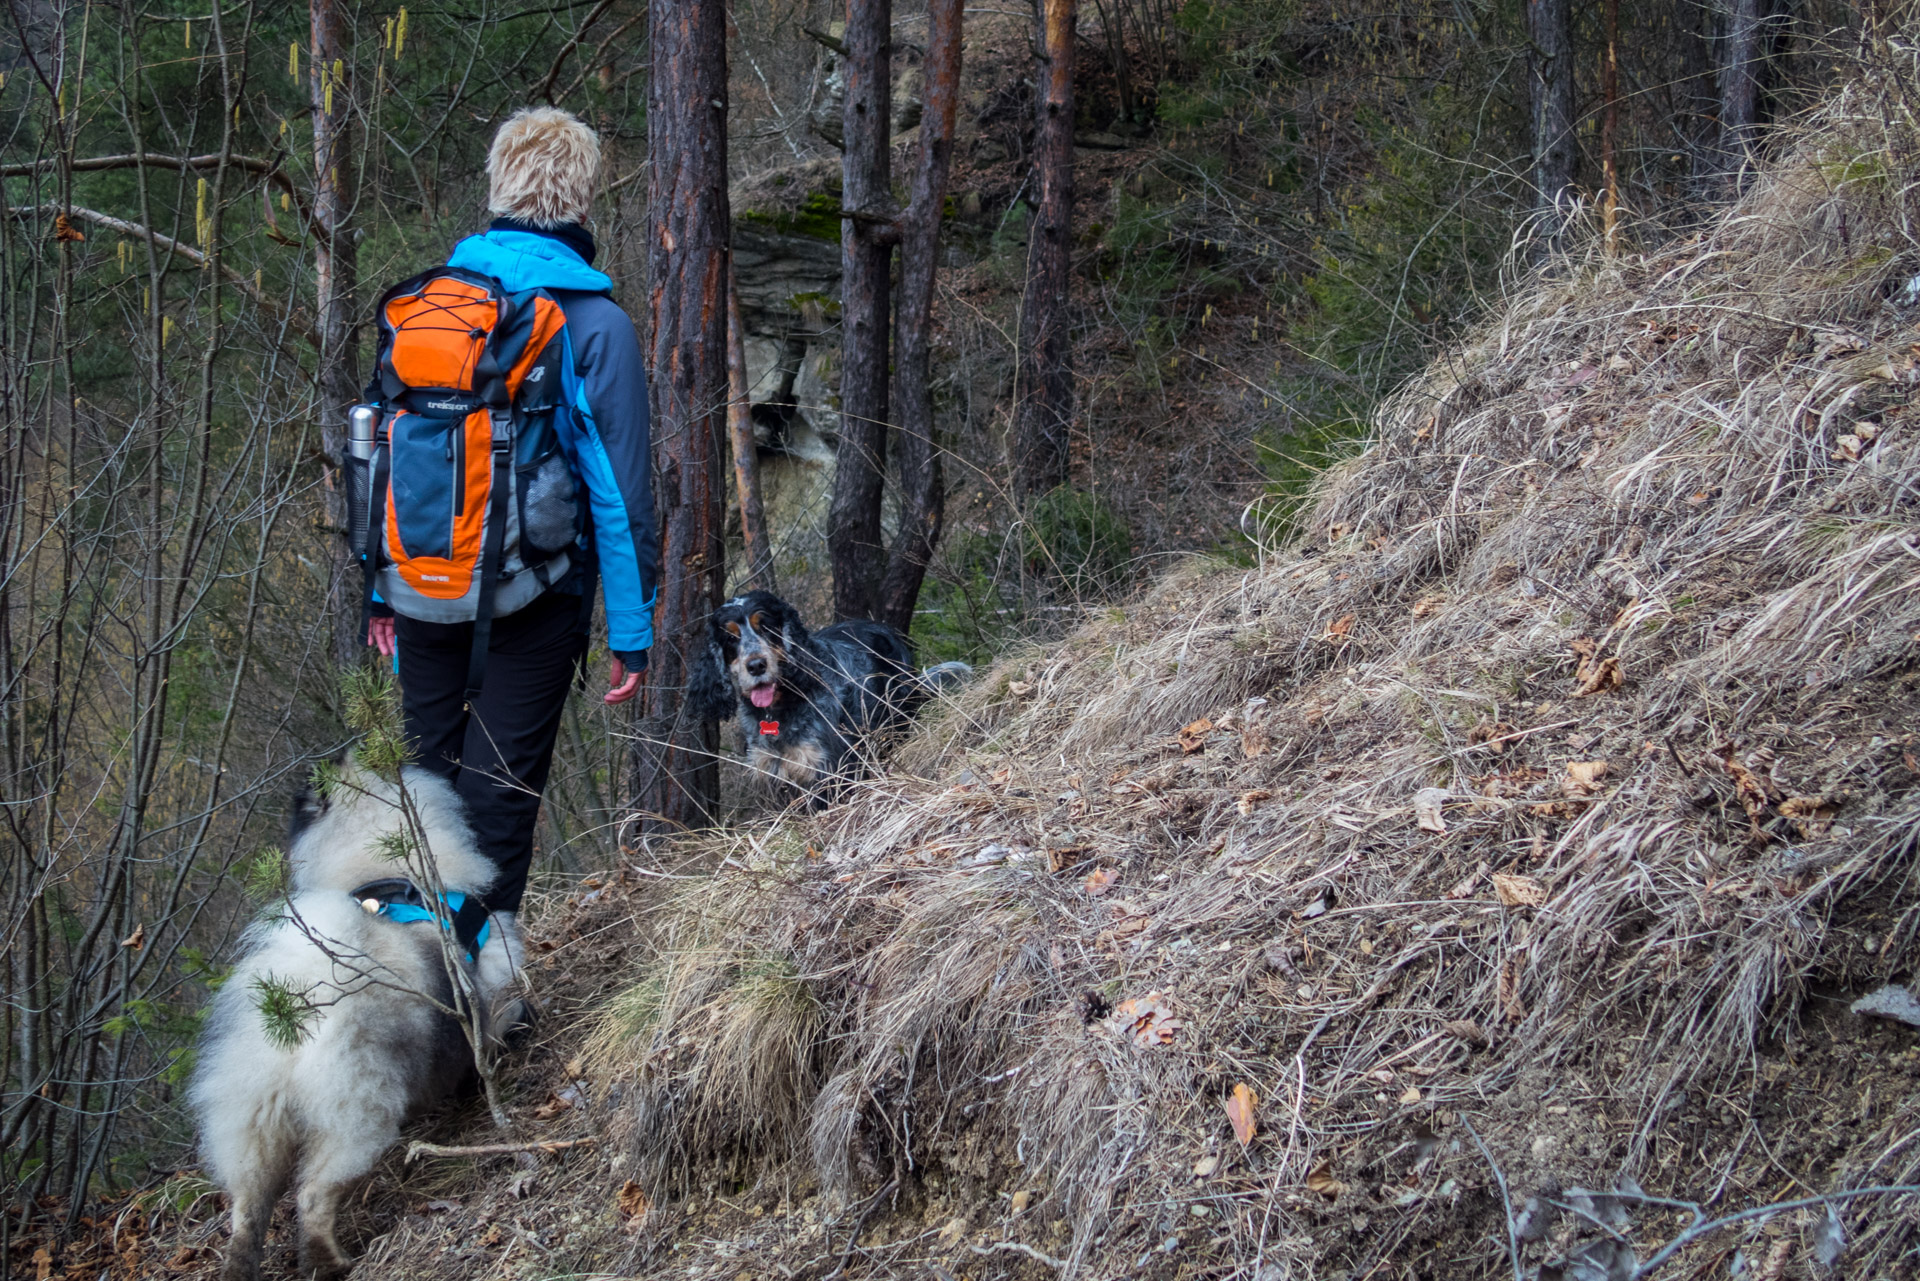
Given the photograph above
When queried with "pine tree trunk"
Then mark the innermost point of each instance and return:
(867, 235)
(1739, 85)
(1550, 86)
(336, 282)
(1700, 107)
(676, 781)
(1043, 386)
(923, 497)
(1610, 126)
(756, 551)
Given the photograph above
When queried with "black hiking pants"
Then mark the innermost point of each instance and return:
(497, 755)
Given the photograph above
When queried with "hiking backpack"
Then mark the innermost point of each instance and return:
(464, 506)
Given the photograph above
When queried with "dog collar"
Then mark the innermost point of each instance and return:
(770, 729)
(404, 903)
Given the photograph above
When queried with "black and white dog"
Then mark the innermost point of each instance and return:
(809, 701)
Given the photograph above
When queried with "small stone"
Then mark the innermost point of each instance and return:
(1890, 1002)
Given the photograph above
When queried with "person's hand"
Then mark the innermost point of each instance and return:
(380, 634)
(625, 684)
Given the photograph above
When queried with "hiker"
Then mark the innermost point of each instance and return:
(535, 404)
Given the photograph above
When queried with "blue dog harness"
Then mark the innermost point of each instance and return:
(404, 903)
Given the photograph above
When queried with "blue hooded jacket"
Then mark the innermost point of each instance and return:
(605, 436)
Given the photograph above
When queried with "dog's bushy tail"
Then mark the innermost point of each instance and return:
(942, 677)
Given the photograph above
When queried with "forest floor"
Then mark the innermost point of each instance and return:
(1471, 889)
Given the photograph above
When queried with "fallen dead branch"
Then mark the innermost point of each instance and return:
(418, 1149)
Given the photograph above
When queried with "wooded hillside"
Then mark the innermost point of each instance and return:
(1426, 491)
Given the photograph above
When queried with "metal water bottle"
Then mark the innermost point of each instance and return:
(363, 422)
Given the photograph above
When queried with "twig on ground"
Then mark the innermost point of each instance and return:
(1506, 1202)
(1029, 1251)
(419, 1149)
(853, 1237)
(1699, 1229)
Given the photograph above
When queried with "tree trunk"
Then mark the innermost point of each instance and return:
(1610, 126)
(1043, 387)
(1739, 85)
(866, 250)
(336, 281)
(757, 552)
(1699, 124)
(676, 779)
(1550, 92)
(923, 496)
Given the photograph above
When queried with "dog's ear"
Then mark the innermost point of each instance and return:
(793, 632)
(710, 695)
(315, 797)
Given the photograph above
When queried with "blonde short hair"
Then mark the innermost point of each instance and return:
(543, 168)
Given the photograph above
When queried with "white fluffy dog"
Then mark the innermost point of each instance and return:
(375, 1042)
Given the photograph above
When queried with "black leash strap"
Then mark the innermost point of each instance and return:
(376, 521)
(496, 541)
(468, 920)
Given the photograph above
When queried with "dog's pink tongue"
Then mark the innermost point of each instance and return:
(761, 695)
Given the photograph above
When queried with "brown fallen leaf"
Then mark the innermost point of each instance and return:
(1811, 815)
(1240, 1113)
(1193, 737)
(1466, 887)
(553, 1107)
(1583, 778)
(1100, 880)
(1338, 629)
(1467, 1030)
(1593, 674)
(1427, 803)
(1320, 1179)
(1249, 800)
(1607, 675)
(1411, 1096)
(63, 229)
(632, 1200)
(1518, 891)
(1510, 990)
(1019, 689)
(1774, 1267)
(1427, 606)
(1847, 449)
(1756, 790)
(1147, 1019)
(1492, 733)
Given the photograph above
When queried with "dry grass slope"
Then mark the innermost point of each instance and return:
(1631, 580)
